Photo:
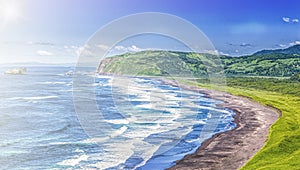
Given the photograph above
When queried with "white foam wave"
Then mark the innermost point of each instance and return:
(33, 98)
(74, 161)
(192, 140)
(54, 83)
(94, 140)
(85, 141)
(214, 109)
(118, 121)
(113, 155)
(106, 138)
(168, 111)
(78, 151)
(104, 76)
(119, 132)
(60, 143)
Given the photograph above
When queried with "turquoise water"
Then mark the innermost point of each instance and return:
(149, 125)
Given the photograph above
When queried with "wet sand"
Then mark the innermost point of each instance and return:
(232, 149)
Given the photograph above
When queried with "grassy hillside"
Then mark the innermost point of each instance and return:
(282, 150)
(162, 63)
(263, 65)
(296, 77)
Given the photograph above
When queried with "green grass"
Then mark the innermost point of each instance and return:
(165, 63)
(282, 149)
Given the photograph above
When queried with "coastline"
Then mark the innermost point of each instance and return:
(231, 149)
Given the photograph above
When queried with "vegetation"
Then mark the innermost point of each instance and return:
(282, 150)
(284, 63)
(263, 65)
(283, 86)
(295, 77)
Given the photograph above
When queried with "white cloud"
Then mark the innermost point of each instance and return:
(288, 45)
(290, 20)
(132, 48)
(44, 53)
(286, 19)
(282, 45)
(245, 45)
(295, 20)
(120, 48)
(215, 52)
(41, 43)
(103, 47)
(84, 51)
(71, 49)
(222, 53)
(294, 43)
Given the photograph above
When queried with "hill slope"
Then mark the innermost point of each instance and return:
(291, 50)
(162, 63)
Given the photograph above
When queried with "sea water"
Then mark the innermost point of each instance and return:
(151, 124)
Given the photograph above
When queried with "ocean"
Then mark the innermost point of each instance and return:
(47, 122)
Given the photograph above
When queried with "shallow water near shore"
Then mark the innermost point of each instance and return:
(152, 124)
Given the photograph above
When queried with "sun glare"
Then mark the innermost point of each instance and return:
(9, 11)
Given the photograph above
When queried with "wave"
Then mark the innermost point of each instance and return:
(60, 130)
(113, 155)
(118, 121)
(33, 98)
(52, 83)
(215, 109)
(94, 140)
(74, 161)
(160, 119)
(103, 76)
(119, 131)
(104, 84)
(78, 151)
(60, 75)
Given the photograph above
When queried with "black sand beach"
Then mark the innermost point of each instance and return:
(231, 149)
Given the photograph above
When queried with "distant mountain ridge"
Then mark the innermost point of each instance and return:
(290, 50)
(278, 63)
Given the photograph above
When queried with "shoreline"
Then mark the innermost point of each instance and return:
(234, 148)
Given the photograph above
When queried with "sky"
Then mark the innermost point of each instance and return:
(55, 31)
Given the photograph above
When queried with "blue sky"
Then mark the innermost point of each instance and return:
(52, 31)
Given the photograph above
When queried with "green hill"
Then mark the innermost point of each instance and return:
(279, 65)
(161, 63)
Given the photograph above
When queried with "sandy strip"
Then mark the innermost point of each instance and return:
(232, 149)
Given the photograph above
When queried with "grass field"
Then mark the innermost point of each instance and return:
(282, 150)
